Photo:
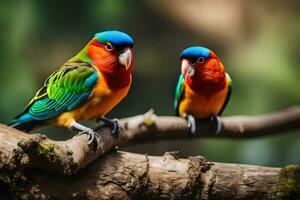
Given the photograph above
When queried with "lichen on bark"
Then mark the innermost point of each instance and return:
(45, 152)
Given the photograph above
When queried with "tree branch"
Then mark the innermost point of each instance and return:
(167, 128)
(122, 175)
(74, 154)
(20, 153)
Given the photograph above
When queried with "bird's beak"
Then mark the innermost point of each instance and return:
(186, 68)
(125, 58)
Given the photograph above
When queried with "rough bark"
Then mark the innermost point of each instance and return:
(35, 167)
(121, 175)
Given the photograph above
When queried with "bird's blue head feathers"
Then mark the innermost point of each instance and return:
(195, 52)
(116, 38)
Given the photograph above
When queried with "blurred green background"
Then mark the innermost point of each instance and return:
(258, 42)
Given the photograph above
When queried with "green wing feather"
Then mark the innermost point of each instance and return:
(178, 93)
(228, 94)
(65, 89)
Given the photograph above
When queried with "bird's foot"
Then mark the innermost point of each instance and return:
(92, 135)
(191, 123)
(113, 124)
(216, 120)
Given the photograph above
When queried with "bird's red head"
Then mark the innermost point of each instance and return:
(202, 69)
(111, 53)
(108, 58)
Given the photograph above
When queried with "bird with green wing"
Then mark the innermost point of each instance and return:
(86, 87)
(203, 88)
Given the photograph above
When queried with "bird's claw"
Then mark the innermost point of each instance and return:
(217, 121)
(113, 124)
(115, 128)
(92, 137)
(91, 134)
(191, 123)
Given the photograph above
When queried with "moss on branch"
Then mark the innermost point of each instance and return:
(288, 186)
(45, 152)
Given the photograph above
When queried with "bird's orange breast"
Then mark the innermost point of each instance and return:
(102, 100)
(202, 105)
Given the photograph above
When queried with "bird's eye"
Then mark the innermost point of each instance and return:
(109, 47)
(201, 60)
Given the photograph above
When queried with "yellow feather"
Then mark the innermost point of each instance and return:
(202, 106)
(100, 103)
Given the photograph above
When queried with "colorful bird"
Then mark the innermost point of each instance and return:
(86, 87)
(203, 89)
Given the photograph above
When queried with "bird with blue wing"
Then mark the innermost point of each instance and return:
(86, 87)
